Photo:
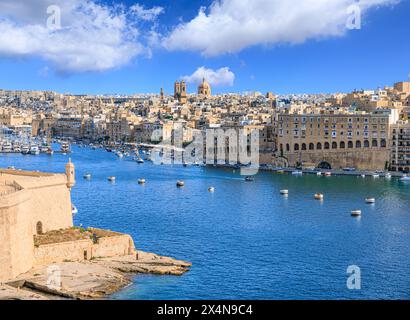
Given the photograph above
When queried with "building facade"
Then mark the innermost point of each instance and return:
(400, 147)
(333, 140)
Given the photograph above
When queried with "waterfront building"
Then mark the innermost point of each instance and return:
(400, 147)
(333, 139)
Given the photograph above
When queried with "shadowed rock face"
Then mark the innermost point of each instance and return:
(93, 279)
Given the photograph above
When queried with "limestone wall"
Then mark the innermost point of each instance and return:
(113, 246)
(16, 238)
(81, 250)
(65, 251)
(369, 160)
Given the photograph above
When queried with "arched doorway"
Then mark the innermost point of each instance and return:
(324, 165)
(39, 228)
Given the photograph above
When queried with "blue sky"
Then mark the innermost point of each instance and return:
(378, 54)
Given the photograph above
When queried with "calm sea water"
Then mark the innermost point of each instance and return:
(246, 241)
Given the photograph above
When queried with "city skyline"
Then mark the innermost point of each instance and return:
(339, 61)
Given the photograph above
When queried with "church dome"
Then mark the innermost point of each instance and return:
(204, 88)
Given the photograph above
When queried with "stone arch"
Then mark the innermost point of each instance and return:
(39, 227)
(281, 162)
(311, 146)
(296, 147)
(374, 143)
(327, 145)
(350, 145)
(287, 147)
(358, 144)
(319, 146)
(334, 145)
(304, 146)
(342, 145)
(324, 165)
(366, 144)
(383, 143)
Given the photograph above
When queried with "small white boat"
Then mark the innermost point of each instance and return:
(284, 192)
(25, 149)
(140, 160)
(376, 175)
(211, 189)
(249, 179)
(356, 213)
(111, 179)
(141, 181)
(180, 183)
(120, 155)
(318, 196)
(318, 173)
(328, 174)
(74, 209)
(297, 173)
(65, 147)
(11, 168)
(34, 150)
(370, 200)
(87, 176)
(363, 176)
(387, 176)
(7, 147)
(405, 178)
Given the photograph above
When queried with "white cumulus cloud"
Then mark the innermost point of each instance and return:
(92, 36)
(147, 14)
(228, 26)
(218, 78)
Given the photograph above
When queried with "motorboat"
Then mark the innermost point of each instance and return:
(111, 178)
(180, 183)
(25, 149)
(387, 175)
(211, 189)
(370, 200)
(328, 174)
(140, 160)
(405, 178)
(249, 179)
(65, 147)
(34, 150)
(297, 173)
(284, 192)
(74, 209)
(87, 176)
(356, 213)
(7, 147)
(141, 181)
(318, 196)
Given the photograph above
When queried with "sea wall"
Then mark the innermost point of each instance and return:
(81, 250)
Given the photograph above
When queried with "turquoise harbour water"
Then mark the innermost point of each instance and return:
(246, 241)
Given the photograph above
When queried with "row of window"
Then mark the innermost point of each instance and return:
(335, 145)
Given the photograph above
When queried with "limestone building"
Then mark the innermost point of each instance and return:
(180, 92)
(36, 224)
(400, 147)
(204, 89)
(333, 140)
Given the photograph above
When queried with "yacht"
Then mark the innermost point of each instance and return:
(140, 160)
(34, 149)
(7, 148)
(25, 149)
(16, 148)
(65, 147)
